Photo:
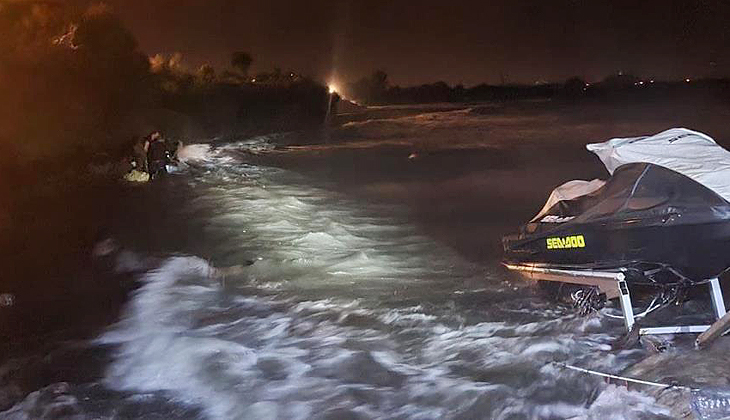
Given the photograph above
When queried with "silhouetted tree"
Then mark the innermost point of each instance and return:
(372, 89)
(74, 82)
(574, 87)
(241, 61)
(379, 80)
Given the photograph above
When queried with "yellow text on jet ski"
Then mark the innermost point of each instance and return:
(574, 241)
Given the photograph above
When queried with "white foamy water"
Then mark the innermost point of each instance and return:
(348, 311)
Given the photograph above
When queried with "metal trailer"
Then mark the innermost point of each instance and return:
(613, 284)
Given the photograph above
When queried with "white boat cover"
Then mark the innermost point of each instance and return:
(688, 152)
(567, 191)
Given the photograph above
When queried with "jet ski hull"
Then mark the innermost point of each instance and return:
(697, 252)
(657, 224)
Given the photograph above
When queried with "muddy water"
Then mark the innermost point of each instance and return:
(367, 281)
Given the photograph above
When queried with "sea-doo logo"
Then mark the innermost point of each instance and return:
(556, 219)
(575, 241)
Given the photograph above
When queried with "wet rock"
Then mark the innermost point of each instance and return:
(627, 341)
(685, 366)
(677, 400)
(361, 367)
(272, 369)
(654, 344)
(353, 319)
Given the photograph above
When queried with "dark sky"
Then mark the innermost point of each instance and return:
(455, 41)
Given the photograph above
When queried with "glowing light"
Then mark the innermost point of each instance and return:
(332, 88)
(687, 80)
(253, 80)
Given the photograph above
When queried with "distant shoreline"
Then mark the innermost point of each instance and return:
(376, 90)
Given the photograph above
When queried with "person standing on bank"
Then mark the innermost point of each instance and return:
(139, 154)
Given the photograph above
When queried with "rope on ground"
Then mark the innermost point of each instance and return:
(622, 378)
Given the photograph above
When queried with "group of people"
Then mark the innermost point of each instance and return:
(151, 156)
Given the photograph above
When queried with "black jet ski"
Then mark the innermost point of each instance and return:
(652, 223)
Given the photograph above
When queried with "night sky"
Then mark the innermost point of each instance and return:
(455, 41)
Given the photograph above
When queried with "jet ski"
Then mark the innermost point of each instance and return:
(662, 218)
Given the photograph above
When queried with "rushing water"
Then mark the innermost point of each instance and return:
(364, 284)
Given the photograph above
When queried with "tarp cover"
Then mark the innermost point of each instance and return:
(646, 191)
(688, 152)
(568, 191)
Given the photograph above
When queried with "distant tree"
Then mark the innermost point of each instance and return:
(157, 63)
(371, 89)
(175, 63)
(206, 73)
(574, 87)
(379, 80)
(241, 61)
(108, 58)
